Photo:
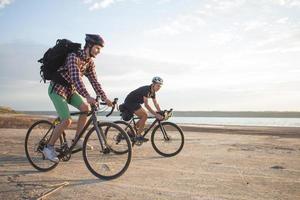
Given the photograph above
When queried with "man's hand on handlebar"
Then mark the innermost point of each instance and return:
(108, 102)
(158, 116)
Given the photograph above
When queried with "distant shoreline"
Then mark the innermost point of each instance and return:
(24, 121)
(240, 114)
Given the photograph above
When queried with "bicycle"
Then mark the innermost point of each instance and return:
(103, 162)
(167, 138)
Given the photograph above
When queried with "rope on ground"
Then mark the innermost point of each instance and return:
(59, 186)
(241, 175)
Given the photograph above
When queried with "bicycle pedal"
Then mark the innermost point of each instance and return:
(138, 143)
(106, 151)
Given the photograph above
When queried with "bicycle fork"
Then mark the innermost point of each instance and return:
(163, 130)
(100, 134)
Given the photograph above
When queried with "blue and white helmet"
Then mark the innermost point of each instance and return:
(158, 80)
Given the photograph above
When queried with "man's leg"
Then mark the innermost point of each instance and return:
(142, 114)
(77, 101)
(84, 107)
(58, 130)
(62, 109)
(49, 150)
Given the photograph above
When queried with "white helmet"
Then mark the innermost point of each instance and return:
(158, 80)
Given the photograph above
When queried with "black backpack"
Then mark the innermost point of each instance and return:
(54, 58)
(125, 113)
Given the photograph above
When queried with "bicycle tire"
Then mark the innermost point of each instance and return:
(125, 126)
(175, 135)
(106, 161)
(36, 158)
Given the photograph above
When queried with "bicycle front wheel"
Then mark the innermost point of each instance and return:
(36, 138)
(167, 139)
(106, 162)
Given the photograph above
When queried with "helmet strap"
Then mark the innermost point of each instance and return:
(90, 46)
(90, 52)
(152, 88)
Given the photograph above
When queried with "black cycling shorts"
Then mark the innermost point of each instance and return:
(132, 107)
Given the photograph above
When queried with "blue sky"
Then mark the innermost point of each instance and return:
(213, 55)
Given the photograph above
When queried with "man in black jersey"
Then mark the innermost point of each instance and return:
(139, 96)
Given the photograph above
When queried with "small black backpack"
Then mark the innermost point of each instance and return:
(54, 58)
(125, 113)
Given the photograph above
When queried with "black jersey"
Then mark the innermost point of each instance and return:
(137, 96)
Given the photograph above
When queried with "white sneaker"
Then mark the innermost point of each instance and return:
(50, 154)
(79, 145)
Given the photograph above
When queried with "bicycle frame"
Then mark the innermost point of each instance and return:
(92, 120)
(148, 129)
(151, 126)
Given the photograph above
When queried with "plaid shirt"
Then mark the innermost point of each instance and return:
(77, 65)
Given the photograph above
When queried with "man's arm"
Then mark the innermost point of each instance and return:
(156, 104)
(148, 106)
(158, 116)
(92, 76)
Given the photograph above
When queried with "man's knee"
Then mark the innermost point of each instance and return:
(67, 122)
(144, 116)
(141, 113)
(84, 107)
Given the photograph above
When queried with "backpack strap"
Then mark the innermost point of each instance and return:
(53, 88)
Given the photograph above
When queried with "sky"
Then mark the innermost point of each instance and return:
(214, 55)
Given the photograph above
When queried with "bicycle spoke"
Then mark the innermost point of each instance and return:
(167, 139)
(36, 138)
(112, 161)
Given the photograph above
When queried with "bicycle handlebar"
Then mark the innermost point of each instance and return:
(166, 113)
(114, 103)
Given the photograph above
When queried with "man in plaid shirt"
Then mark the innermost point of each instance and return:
(77, 65)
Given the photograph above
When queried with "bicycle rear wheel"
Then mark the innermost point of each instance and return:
(36, 138)
(107, 163)
(125, 126)
(118, 140)
(167, 139)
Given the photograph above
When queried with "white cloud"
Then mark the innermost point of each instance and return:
(254, 25)
(225, 37)
(283, 20)
(101, 4)
(278, 50)
(4, 3)
(196, 20)
(278, 42)
(288, 3)
(182, 24)
(87, 1)
(163, 1)
(227, 5)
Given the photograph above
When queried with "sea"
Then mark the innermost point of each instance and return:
(211, 120)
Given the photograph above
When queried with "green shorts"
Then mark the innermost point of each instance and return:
(61, 104)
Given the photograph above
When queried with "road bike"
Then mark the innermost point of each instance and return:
(103, 160)
(167, 138)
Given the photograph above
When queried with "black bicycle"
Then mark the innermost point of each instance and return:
(102, 160)
(167, 138)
